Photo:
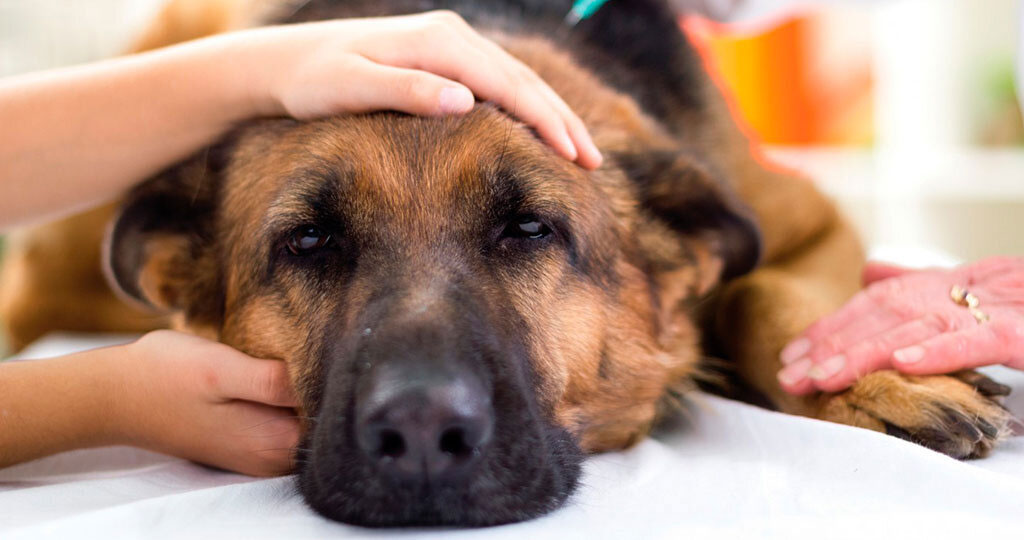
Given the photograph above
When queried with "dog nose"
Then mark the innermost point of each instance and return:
(424, 430)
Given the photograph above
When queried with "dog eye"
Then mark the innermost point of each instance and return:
(307, 239)
(526, 227)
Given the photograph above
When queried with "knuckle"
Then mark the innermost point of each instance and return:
(447, 16)
(827, 346)
(210, 379)
(816, 331)
(415, 89)
(157, 338)
(884, 292)
(936, 322)
(443, 23)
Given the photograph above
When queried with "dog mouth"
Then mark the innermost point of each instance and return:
(524, 469)
(502, 488)
(429, 427)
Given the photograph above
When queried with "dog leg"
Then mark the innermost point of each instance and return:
(957, 415)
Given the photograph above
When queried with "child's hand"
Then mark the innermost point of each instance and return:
(207, 402)
(427, 64)
(87, 133)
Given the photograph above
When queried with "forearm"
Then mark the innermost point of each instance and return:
(74, 137)
(78, 136)
(51, 406)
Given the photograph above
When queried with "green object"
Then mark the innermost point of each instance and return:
(582, 10)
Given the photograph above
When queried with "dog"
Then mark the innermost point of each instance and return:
(464, 314)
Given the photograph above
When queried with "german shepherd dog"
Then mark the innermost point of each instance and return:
(466, 315)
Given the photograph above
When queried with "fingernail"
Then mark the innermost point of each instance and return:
(909, 355)
(795, 351)
(455, 99)
(795, 372)
(828, 368)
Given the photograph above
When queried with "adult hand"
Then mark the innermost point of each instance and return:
(427, 64)
(906, 320)
(207, 402)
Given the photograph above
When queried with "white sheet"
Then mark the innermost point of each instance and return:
(729, 470)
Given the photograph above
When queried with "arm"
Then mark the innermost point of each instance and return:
(81, 135)
(203, 401)
(50, 406)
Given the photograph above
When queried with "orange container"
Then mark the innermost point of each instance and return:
(780, 83)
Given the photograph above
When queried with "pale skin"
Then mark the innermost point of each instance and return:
(905, 320)
(86, 134)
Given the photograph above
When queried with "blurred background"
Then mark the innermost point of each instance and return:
(904, 110)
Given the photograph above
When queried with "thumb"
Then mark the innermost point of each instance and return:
(876, 271)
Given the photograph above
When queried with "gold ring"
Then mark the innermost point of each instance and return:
(979, 315)
(962, 297)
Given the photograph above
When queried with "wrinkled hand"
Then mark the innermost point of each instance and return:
(209, 403)
(906, 320)
(427, 64)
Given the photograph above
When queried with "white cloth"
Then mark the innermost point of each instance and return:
(723, 470)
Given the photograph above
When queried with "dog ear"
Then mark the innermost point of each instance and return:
(685, 194)
(159, 249)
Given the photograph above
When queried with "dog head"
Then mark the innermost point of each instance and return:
(463, 313)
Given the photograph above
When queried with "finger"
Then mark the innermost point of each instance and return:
(407, 90)
(588, 155)
(526, 100)
(858, 319)
(857, 309)
(489, 77)
(793, 378)
(996, 342)
(838, 366)
(251, 379)
(843, 369)
(265, 444)
(877, 271)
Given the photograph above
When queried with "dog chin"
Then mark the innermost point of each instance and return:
(523, 478)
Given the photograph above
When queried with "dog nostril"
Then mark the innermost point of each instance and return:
(392, 444)
(453, 443)
(415, 428)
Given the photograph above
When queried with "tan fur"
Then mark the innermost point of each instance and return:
(811, 265)
(51, 280)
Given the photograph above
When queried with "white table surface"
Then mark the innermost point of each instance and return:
(721, 470)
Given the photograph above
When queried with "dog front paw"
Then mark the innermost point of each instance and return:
(959, 415)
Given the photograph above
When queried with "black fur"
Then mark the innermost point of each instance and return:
(684, 193)
(530, 468)
(637, 48)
